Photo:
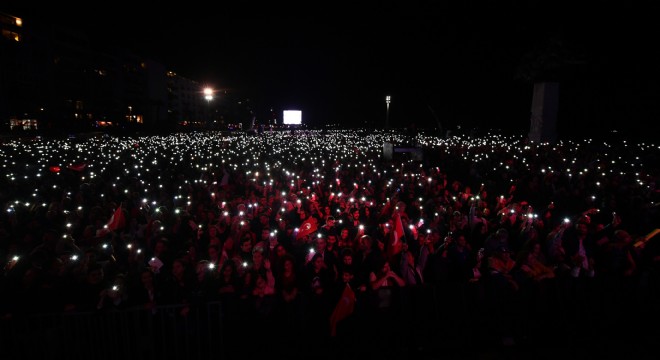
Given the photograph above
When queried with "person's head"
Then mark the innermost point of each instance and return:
(321, 244)
(201, 268)
(460, 240)
(228, 245)
(330, 221)
(147, 277)
(366, 243)
(258, 255)
(213, 231)
(347, 257)
(95, 274)
(280, 250)
(347, 275)
(288, 263)
(178, 268)
(240, 208)
(384, 266)
(228, 268)
(53, 209)
(161, 245)
(213, 252)
(331, 239)
(317, 261)
(90, 255)
(246, 244)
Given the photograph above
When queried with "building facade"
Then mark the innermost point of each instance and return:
(57, 80)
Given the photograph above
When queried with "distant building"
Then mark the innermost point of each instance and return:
(53, 79)
(187, 107)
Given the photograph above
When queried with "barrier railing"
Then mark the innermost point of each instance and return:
(162, 333)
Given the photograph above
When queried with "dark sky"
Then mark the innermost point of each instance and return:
(468, 64)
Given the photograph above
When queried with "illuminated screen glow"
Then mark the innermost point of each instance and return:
(292, 117)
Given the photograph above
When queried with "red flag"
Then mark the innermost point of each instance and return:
(308, 226)
(117, 221)
(343, 309)
(397, 234)
(77, 167)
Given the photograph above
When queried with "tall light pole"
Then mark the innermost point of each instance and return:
(387, 111)
(208, 95)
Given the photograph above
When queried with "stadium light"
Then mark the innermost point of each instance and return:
(387, 112)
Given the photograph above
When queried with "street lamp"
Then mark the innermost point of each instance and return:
(387, 112)
(208, 94)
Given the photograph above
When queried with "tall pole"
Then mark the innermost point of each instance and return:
(208, 95)
(387, 111)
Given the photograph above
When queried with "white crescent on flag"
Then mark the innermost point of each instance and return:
(308, 226)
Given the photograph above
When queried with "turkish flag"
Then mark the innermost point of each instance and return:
(77, 167)
(117, 221)
(398, 234)
(308, 226)
(343, 309)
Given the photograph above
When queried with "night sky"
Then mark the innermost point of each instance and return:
(471, 64)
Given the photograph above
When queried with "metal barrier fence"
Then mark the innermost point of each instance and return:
(212, 330)
(118, 334)
(438, 317)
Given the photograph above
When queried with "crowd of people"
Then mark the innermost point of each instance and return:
(316, 235)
